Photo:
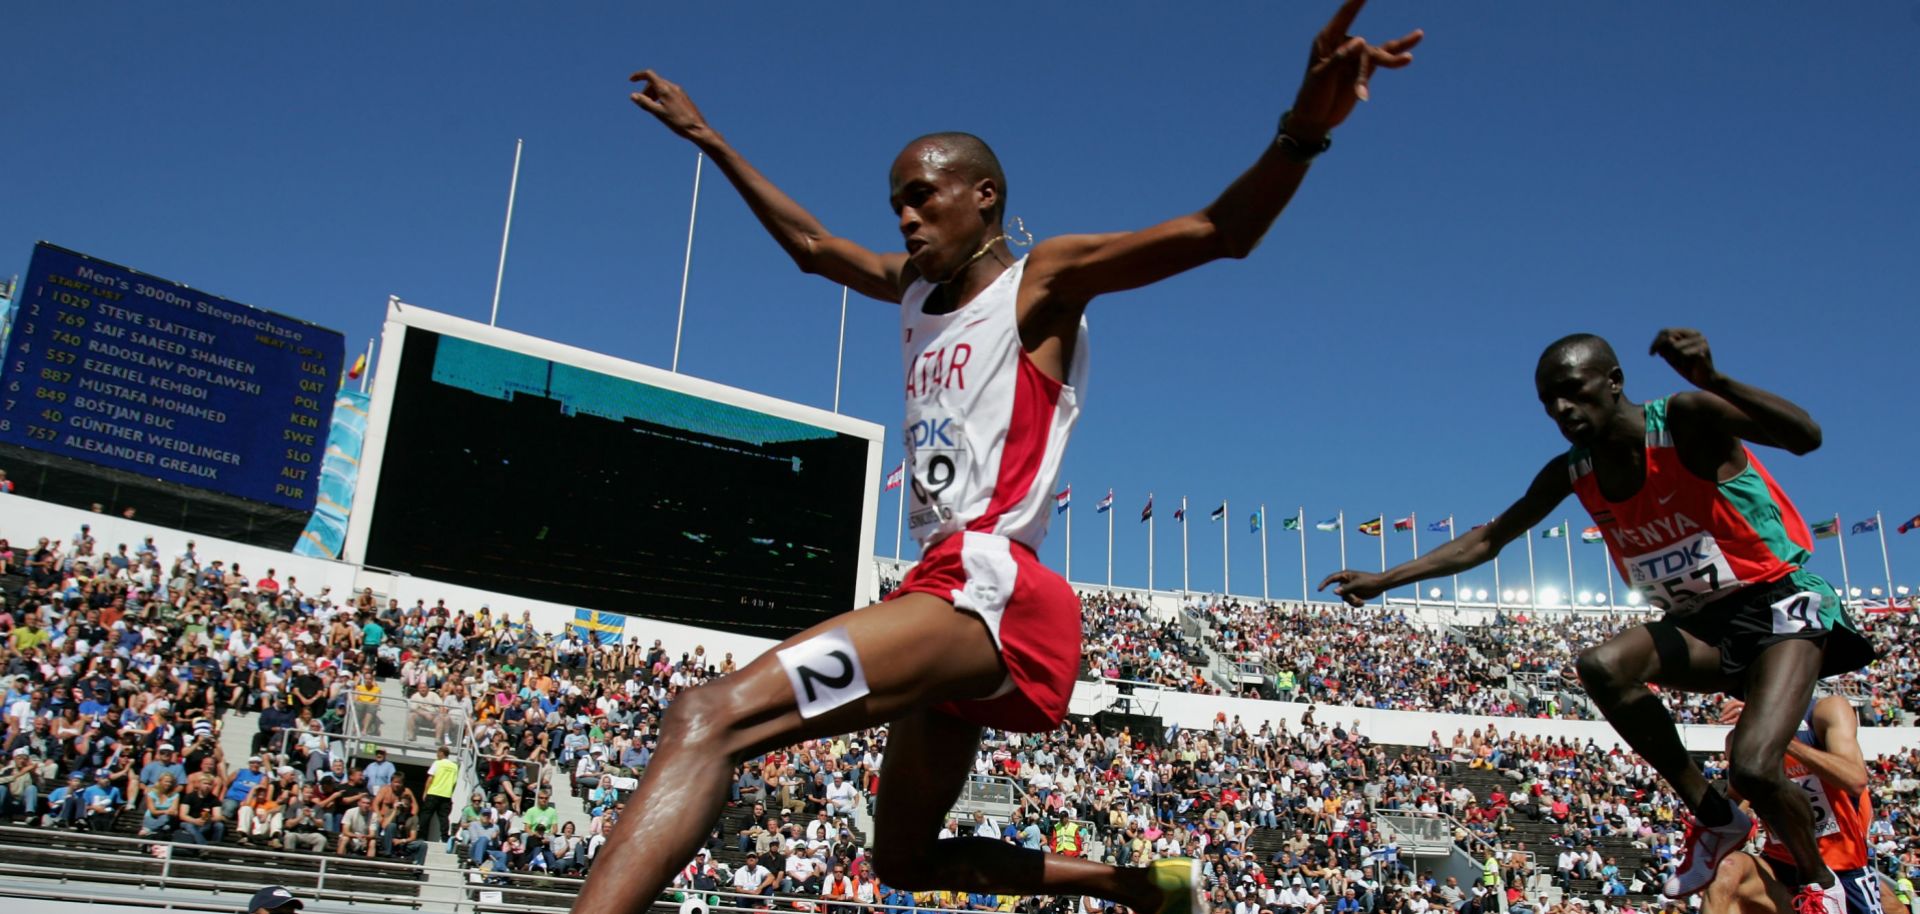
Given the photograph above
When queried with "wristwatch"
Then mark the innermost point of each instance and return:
(1296, 151)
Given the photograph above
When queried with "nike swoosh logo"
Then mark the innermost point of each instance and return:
(1663, 499)
(975, 323)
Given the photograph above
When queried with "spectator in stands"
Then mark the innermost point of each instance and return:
(273, 899)
(359, 830)
(160, 807)
(400, 833)
(20, 785)
(102, 801)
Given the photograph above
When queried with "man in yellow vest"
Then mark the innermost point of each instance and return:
(1066, 838)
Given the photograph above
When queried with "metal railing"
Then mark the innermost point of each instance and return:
(417, 721)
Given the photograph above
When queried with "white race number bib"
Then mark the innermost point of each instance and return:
(1683, 576)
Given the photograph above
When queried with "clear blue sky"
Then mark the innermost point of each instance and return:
(1541, 169)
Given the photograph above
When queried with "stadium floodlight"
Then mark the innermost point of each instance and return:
(1549, 596)
(1586, 597)
(1480, 594)
(1434, 593)
(1854, 592)
(1901, 590)
(1506, 596)
(1633, 598)
(1519, 595)
(1875, 591)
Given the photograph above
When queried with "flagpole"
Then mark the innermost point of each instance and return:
(1263, 554)
(1342, 515)
(900, 512)
(1184, 522)
(1606, 569)
(840, 354)
(1226, 577)
(1301, 514)
(1414, 528)
(1383, 555)
(1109, 539)
(1881, 526)
(1846, 581)
(686, 265)
(366, 374)
(1533, 594)
(1498, 600)
(1069, 574)
(1149, 542)
(1456, 578)
(500, 272)
(1566, 533)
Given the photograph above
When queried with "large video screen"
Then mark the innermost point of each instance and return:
(119, 369)
(513, 473)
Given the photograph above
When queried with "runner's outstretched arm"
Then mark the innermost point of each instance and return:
(1075, 268)
(812, 247)
(1550, 487)
(1734, 407)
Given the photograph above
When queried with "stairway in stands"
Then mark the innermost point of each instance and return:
(1543, 838)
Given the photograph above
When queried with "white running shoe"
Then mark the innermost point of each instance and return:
(1702, 852)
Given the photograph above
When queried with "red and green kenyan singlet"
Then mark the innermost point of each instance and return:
(1682, 541)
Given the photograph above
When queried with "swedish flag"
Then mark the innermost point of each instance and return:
(604, 627)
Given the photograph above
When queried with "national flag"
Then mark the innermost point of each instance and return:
(1329, 525)
(1146, 513)
(1590, 535)
(359, 366)
(1911, 524)
(1867, 526)
(1063, 500)
(1441, 526)
(1180, 514)
(604, 627)
(1106, 504)
(1827, 529)
(1253, 522)
(1554, 533)
(1291, 523)
(1405, 523)
(898, 476)
(1219, 513)
(1372, 527)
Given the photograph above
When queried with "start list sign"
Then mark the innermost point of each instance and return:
(117, 368)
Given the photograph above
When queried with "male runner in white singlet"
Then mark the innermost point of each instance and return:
(979, 633)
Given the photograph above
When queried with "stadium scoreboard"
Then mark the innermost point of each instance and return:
(117, 368)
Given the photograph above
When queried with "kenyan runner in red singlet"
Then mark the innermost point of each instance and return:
(1701, 531)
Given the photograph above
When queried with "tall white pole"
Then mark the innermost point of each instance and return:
(1069, 574)
(1109, 538)
(1566, 533)
(1149, 542)
(1533, 592)
(1456, 578)
(366, 373)
(1300, 519)
(1226, 575)
(1846, 580)
(1263, 554)
(1383, 555)
(1184, 522)
(840, 354)
(1413, 527)
(1498, 600)
(1885, 566)
(500, 272)
(1606, 569)
(1340, 520)
(900, 512)
(686, 266)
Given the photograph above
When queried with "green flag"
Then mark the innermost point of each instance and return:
(1291, 523)
(1554, 533)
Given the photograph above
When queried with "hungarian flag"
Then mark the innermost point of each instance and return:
(1291, 523)
(1219, 513)
(1867, 526)
(1106, 504)
(1405, 523)
(1554, 533)
(1827, 529)
(1063, 500)
(1912, 523)
(1590, 535)
(896, 477)
(1372, 527)
(1147, 512)
(1329, 525)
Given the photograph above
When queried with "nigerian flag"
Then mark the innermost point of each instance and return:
(1291, 523)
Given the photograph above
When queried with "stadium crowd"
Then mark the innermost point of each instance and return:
(120, 666)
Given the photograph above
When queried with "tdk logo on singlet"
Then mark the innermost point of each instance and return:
(1673, 561)
(934, 433)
